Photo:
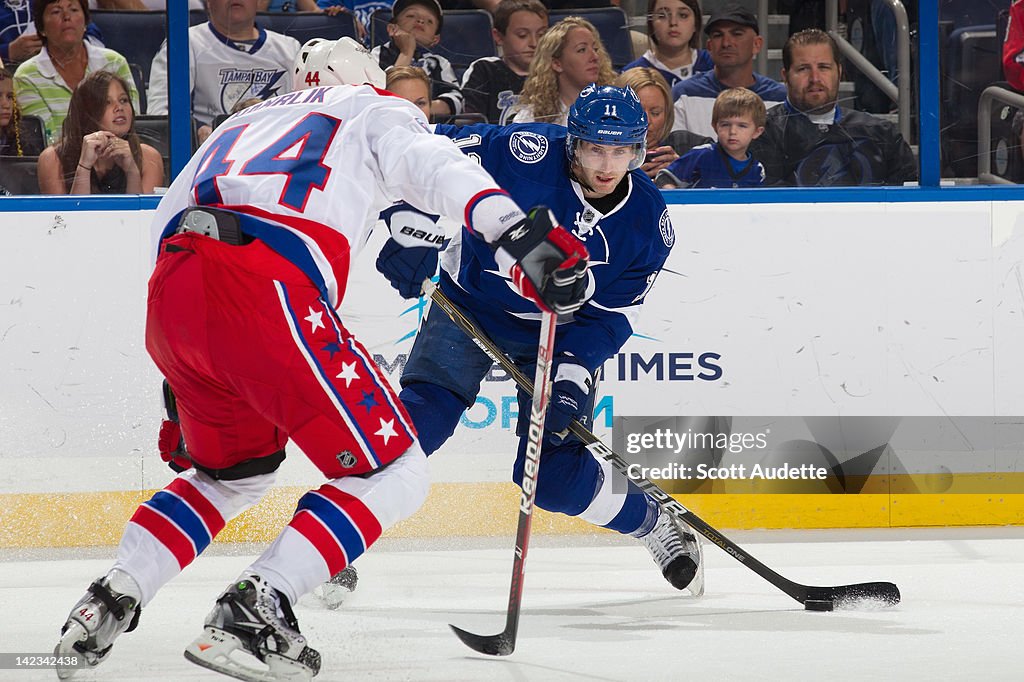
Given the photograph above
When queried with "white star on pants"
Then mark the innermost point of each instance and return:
(348, 373)
(315, 319)
(387, 430)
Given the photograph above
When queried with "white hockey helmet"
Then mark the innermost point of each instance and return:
(335, 62)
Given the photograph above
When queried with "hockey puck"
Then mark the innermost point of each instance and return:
(818, 605)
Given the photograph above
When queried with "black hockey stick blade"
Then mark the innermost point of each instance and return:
(879, 593)
(492, 645)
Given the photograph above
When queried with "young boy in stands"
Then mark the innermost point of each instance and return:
(415, 27)
(738, 117)
(491, 85)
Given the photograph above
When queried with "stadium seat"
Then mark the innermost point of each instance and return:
(611, 24)
(20, 174)
(136, 35)
(140, 85)
(972, 63)
(33, 136)
(154, 131)
(304, 26)
(466, 36)
(970, 12)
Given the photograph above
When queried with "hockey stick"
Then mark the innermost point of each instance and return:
(820, 598)
(504, 643)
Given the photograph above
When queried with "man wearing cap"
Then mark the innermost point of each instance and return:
(414, 29)
(733, 39)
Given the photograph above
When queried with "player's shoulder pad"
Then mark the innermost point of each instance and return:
(533, 144)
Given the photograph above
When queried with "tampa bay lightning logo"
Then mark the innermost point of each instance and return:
(848, 163)
(668, 235)
(528, 147)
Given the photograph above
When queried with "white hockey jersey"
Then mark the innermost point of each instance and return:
(223, 72)
(332, 158)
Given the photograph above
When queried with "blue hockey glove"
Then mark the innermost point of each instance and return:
(570, 389)
(407, 266)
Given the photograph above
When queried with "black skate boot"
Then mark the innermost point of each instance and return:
(333, 592)
(96, 621)
(252, 617)
(678, 554)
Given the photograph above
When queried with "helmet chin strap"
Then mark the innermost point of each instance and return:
(574, 176)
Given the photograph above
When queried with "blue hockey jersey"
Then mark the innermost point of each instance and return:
(628, 245)
(709, 166)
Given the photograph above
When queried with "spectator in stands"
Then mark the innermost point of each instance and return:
(411, 83)
(1013, 66)
(653, 90)
(739, 118)
(44, 83)
(17, 45)
(18, 136)
(18, 37)
(99, 151)
(415, 27)
(812, 141)
(10, 117)
(230, 59)
(491, 85)
(673, 30)
(569, 57)
(1013, 47)
(885, 30)
(733, 41)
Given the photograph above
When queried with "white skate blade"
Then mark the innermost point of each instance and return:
(223, 652)
(695, 590)
(65, 648)
(331, 596)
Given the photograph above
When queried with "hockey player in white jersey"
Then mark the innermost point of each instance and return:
(255, 239)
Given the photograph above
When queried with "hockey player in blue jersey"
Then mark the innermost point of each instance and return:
(588, 175)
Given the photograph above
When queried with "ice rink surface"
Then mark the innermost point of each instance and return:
(594, 609)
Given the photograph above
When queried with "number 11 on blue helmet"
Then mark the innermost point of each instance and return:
(612, 120)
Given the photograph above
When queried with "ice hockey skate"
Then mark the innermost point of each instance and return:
(678, 553)
(96, 621)
(332, 593)
(252, 634)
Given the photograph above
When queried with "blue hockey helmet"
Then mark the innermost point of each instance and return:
(606, 115)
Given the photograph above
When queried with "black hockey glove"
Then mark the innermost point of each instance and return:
(550, 265)
(406, 267)
(570, 389)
